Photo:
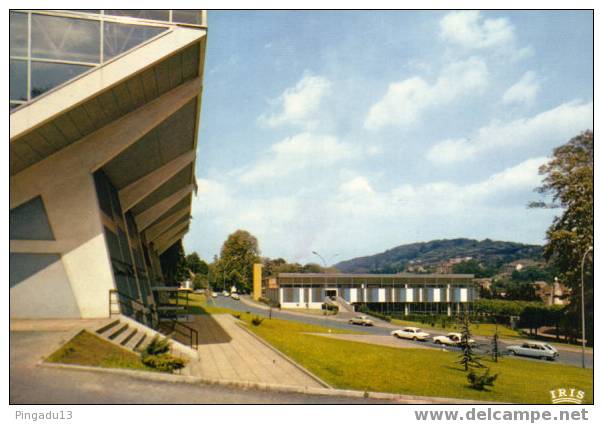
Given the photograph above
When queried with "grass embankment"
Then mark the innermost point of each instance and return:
(88, 349)
(424, 372)
(477, 329)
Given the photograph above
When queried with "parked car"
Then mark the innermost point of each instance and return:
(411, 333)
(235, 296)
(535, 350)
(225, 293)
(361, 320)
(451, 339)
(214, 294)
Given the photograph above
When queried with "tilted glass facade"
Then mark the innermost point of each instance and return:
(49, 48)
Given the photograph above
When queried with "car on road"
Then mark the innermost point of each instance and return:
(361, 320)
(214, 294)
(225, 293)
(451, 339)
(410, 333)
(535, 350)
(235, 296)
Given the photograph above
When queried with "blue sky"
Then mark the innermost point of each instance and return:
(349, 133)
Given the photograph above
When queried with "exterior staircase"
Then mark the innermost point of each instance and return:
(344, 305)
(134, 336)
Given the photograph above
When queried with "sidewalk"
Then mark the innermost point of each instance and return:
(228, 352)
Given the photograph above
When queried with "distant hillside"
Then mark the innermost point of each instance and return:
(488, 252)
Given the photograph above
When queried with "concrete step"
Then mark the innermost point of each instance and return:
(119, 331)
(141, 342)
(106, 328)
(125, 337)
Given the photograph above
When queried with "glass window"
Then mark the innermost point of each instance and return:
(18, 34)
(157, 15)
(187, 16)
(45, 76)
(18, 80)
(65, 38)
(119, 38)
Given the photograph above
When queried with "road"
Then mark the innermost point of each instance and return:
(384, 328)
(32, 384)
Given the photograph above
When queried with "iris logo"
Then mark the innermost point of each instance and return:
(563, 395)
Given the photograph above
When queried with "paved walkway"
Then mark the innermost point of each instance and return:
(228, 352)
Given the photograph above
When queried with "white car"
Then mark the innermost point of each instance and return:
(451, 339)
(411, 333)
(361, 320)
(534, 350)
(235, 296)
(214, 294)
(225, 293)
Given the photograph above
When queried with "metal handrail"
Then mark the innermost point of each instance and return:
(150, 311)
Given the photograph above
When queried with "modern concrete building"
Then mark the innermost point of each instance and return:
(406, 293)
(104, 119)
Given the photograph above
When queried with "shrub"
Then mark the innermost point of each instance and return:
(157, 346)
(156, 355)
(164, 362)
(257, 321)
(237, 316)
(480, 381)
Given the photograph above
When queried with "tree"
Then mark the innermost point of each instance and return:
(195, 264)
(569, 181)
(467, 358)
(237, 256)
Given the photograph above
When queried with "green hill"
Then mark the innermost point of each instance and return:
(428, 254)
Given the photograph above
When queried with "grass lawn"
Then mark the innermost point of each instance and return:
(481, 329)
(425, 372)
(88, 349)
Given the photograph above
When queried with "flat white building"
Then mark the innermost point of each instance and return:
(407, 293)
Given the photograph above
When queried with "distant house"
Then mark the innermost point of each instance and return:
(552, 294)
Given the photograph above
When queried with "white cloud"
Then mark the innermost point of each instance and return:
(524, 90)
(552, 127)
(299, 105)
(301, 151)
(404, 102)
(469, 29)
(357, 185)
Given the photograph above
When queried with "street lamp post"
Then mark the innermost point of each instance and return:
(590, 248)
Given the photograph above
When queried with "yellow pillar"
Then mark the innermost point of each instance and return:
(257, 281)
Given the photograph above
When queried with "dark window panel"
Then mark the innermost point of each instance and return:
(46, 76)
(72, 39)
(30, 222)
(119, 38)
(157, 15)
(187, 16)
(18, 80)
(18, 34)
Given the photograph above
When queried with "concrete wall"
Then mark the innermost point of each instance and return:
(69, 197)
(40, 288)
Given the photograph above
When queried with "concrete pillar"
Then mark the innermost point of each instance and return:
(257, 281)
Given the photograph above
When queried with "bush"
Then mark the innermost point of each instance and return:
(164, 362)
(237, 316)
(156, 355)
(257, 321)
(480, 381)
(157, 346)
